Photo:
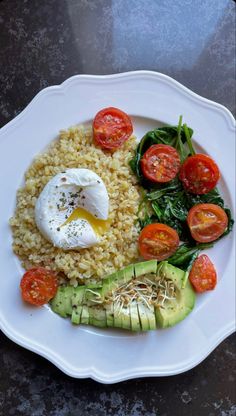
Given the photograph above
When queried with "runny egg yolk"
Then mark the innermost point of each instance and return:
(99, 226)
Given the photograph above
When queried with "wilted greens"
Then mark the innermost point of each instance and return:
(169, 203)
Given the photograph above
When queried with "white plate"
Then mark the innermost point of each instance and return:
(110, 356)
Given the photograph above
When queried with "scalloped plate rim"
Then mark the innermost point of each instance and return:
(96, 375)
(57, 360)
(66, 83)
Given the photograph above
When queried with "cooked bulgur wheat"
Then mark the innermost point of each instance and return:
(118, 247)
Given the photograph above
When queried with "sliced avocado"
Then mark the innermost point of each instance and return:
(61, 303)
(97, 316)
(85, 315)
(142, 311)
(145, 267)
(134, 316)
(166, 270)
(76, 315)
(151, 317)
(112, 281)
(128, 273)
(125, 318)
(117, 279)
(117, 317)
(88, 304)
(77, 296)
(122, 318)
(110, 314)
(93, 295)
(76, 302)
(174, 311)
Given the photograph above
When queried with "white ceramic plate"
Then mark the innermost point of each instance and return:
(110, 356)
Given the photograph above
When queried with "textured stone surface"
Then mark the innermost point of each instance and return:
(43, 43)
(30, 386)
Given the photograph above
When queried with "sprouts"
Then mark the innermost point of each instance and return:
(148, 292)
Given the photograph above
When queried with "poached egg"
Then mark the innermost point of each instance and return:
(72, 210)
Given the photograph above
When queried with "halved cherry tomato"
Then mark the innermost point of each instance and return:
(203, 274)
(38, 286)
(111, 128)
(160, 163)
(199, 174)
(158, 241)
(207, 222)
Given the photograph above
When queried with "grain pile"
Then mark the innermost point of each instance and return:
(118, 247)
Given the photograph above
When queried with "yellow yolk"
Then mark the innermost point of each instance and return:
(99, 226)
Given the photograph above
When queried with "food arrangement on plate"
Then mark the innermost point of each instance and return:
(110, 232)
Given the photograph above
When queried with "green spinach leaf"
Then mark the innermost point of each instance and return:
(170, 202)
(171, 135)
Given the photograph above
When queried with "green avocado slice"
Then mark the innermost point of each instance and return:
(167, 271)
(76, 315)
(134, 316)
(109, 308)
(117, 317)
(142, 311)
(174, 311)
(145, 267)
(93, 304)
(151, 317)
(125, 318)
(85, 315)
(97, 316)
(93, 295)
(117, 279)
(76, 302)
(61, 303)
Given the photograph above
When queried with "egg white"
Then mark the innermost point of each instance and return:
(64, 193)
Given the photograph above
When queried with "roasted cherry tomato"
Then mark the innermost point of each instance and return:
(207, 222)
(111, 128)
(199, 174)
(160, 163)
(38, 286)
(158, 241)
(203, 274)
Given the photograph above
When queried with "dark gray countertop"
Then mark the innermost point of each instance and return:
(43, 43)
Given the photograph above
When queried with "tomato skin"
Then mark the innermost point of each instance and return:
(111, 128)
(199, 174)
(158, 241)
(38, 286)
(203, 275)
(207, 222)
(160, 163)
